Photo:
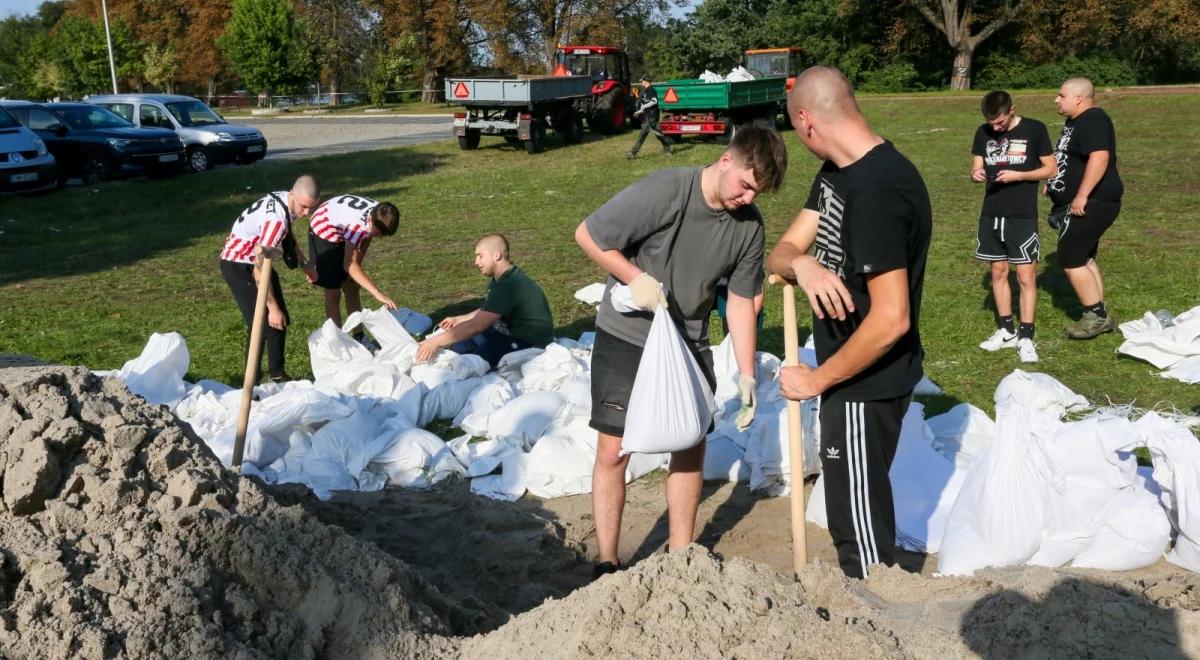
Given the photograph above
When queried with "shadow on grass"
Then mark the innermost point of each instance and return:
(1053, 280)
(456, 308)
(97, 228)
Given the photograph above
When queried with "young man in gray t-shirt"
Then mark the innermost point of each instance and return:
(671, 236)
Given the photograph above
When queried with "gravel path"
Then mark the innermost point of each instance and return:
(307, 136)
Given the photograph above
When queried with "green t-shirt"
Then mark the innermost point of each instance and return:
(522, 306)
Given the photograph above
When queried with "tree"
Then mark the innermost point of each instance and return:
(955, 18)
(81, 51)
(200, 63)
(267, 45)
(342, 31)
(443, 31)
(160, 65)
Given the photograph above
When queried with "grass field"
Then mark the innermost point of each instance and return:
(89, 272)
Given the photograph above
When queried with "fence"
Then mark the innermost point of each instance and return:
(316, 101)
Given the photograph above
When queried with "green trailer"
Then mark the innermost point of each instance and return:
(695, 107)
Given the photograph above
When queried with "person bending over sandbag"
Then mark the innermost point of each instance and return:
(268, 222)
(671, 236)
(858, 249)
(515, 314)
(348, 220)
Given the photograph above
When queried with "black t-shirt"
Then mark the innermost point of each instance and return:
(875, 217)
(1021, 149)
(648, 102)
(1090, 131)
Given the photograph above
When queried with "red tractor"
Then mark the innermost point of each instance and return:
(612, 97)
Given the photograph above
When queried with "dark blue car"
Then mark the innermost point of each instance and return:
(94, 144)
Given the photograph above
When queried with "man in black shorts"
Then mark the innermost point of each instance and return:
(1087, 199)
(685, 228)
(1011, 154)
(858, 249)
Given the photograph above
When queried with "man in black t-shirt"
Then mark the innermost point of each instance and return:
(1011, 154)
(648, 111)
(1087, 199)
(858, 250)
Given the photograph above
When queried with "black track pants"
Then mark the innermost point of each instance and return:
(240, 278)
(858, 443)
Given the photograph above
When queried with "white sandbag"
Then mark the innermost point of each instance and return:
(922, 481)
(448, 366)
(446, 401)
(1147, 339)
(642, 464)
(272, 422)
(354, 440)
(814, 511)
(739, 74)
(331, 350)
(157, 373)
(962, 433)
(363, 378)
(509, 485)
(724, 460)
(671, 405)
(560, 465)
(415, 323)
(926, 387)
(493, 392)
(577, 391)
(1186, 370)
(768, 452)
(1001, 512)
(1134, 532)
(401, 356)
(1175, 454)
(548, 370)
(524, 419)
(383, 326)
(709, 76)
(205, 412)
(482, 457)
(591, 294)
(323, 476)
(509, 366)
(416, 458)
(1040, 392)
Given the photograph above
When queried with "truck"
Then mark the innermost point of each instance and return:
(695, 107)
(774, 62)
(611, 102)
(519, 109)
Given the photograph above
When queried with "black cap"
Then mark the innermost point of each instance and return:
(645, 78)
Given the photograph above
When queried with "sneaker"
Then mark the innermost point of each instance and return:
(281, 378)
(1091, 325)
(631, 155)
(1001, 338)
(1026, 350)
(604, 568)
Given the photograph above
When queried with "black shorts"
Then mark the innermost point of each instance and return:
(1011, 239)
(614, 366)
(1079, 237)
(329, 259)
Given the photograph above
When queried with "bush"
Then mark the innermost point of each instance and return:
(897, 76)
(1001, 72)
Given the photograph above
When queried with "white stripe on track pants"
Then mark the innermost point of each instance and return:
(858, 443)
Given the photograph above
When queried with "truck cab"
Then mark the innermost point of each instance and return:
(771, 62)
(611, 102)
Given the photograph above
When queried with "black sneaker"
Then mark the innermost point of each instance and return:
(604, 568)
(281, 378)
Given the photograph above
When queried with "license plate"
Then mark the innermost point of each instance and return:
(689, 129)
(23, 178)
(168, 158)
(254, 149)
(460, 122)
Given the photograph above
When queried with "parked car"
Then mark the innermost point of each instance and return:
(26, 165)
(208, 138)
(96, 145)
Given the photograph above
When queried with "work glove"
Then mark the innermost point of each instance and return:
(647, 292)
(747, 390)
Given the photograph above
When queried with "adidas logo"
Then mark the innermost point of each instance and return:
(832, 453)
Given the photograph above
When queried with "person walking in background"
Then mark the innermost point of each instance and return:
(1086, 194)
(648, 111)
(1011, 154)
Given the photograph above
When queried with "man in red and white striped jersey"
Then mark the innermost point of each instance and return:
(348, 221)
(267, 222)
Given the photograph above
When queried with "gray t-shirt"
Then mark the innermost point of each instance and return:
(663, 225)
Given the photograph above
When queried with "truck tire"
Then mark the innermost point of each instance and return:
(469, 141)
(608, 113)
(537, 138)
(731, 129)
(570, 126)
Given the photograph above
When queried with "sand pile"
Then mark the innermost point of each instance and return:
(692, 604)
(121, 535)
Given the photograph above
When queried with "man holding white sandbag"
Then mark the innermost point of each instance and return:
(858, 249)
(670, 237)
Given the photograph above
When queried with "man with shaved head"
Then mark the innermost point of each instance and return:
(515, 314)
(858, 250)
(268, 222)
(1087, 199)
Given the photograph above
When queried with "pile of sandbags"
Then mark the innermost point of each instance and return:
(737, 74)
(1170, 343)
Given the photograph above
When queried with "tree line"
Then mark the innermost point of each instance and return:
(206, 47)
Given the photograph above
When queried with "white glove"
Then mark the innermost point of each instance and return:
(647, 293)
(747, 388)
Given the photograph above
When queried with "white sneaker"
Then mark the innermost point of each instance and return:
(1001, 338)
(1026, 350)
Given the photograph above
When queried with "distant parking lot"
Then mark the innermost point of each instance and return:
(303, 137)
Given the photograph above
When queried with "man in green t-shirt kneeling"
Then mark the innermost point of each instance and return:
(515, 314)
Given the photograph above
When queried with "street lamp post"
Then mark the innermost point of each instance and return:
(112, 67)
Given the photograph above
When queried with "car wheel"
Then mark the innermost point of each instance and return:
(97, 168)
(198, 159)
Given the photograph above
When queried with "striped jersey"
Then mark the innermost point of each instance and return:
(264, 222)
(344, 218)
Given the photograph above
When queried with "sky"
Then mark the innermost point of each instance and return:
(10, 7)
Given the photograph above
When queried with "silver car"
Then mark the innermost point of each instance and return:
(209, 139)
(25, 163)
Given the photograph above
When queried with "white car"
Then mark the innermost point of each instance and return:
(25, 163)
